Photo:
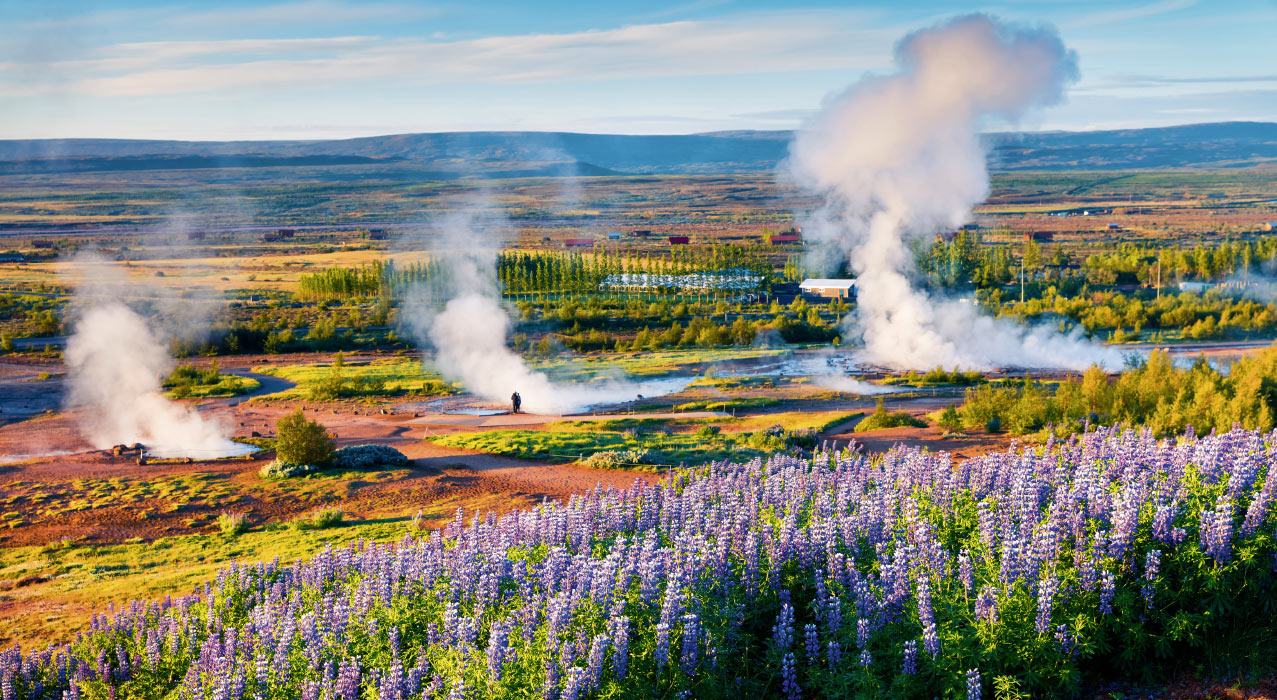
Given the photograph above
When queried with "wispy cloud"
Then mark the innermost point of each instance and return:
(744, 44)
(305, 12)
(1127, 14)
(680, 10)
(1156, 80)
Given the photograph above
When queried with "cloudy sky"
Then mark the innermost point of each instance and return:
(342, 68)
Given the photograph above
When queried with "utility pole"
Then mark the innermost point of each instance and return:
(1021, 279)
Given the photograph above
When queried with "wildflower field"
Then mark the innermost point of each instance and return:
(1042, 572)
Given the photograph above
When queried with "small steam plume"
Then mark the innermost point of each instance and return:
(899, 156)
(469, 334)
(115, 363)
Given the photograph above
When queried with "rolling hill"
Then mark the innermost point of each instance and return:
(1220, 145)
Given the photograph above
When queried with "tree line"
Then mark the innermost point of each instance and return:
(523, 272)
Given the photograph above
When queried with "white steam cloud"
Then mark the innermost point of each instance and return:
(469, 334)
(115, 363)
(898, 156)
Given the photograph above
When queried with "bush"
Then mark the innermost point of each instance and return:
(616, 459)
(364, 457)
(777, 438)
(320, 519)
(709, 432)
(950, 420)
(276, 469)
(232, 524)
(302, 441)
(882, 418)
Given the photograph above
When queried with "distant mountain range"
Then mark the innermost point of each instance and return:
(516, 153)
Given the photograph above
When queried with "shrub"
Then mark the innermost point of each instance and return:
(777, 438)
(364, 457)
(950, 420)
(276, 469)
(709, 432)
(319, 519)
(616, 459)
(232, 524)
(882, 418)
(302, 441)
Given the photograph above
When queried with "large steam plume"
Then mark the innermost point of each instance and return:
(899, 155)
(469, 334)
(115, 363)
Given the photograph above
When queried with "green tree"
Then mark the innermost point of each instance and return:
(302, 441)
(950, 420)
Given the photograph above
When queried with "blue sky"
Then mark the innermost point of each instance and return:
(306, 69)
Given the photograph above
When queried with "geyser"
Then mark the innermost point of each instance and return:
(469, 334)
(114, 367)
(899, 155)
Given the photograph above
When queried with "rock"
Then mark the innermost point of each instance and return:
(255, 434)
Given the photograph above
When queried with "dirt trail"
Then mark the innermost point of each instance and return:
(518, 420)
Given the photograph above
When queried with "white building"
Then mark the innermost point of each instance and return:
(830, 289)
(1195, 287)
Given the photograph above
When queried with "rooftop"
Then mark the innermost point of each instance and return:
(827, 284)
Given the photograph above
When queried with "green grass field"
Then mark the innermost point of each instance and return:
(230, 385)
(645, 364)
(395, 377)
(665, 442)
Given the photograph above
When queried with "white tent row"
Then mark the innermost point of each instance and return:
(736, 280)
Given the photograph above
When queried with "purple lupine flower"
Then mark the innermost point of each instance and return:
(930, 638)
(783, 630)
(620, 646)
(910, 665)
(594, 662)
(986, 605)
(498, 642)
(789, 676)
(862, 633)
(1217, 530)
(1064, 638)
(974, 690)
(1108, 586)
(1046, 598)
(965, 573)
(811, 642)
(1152, 562)
(662, 645)
(866, 660)
(834, 654)
(575, 684)
(690, 657)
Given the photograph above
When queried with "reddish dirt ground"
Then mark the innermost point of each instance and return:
(436, 473)
(59, 456)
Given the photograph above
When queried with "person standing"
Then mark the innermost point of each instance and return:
(516, 401)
